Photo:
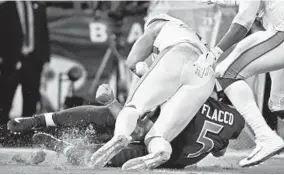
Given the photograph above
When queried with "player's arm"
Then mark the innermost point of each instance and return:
(143, 47)
(240, 25)
(238, 30)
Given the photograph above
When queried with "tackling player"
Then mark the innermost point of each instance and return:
(170, 82)
(258, 53)
(209, 132)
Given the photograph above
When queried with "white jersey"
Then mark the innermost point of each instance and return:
(173, 32)
(271, 11)
(272, 14)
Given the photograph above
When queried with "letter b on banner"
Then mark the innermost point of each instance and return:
(98, 32)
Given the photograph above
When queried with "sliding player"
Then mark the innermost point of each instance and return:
(209, 132)
(170, 82)
(258, 53)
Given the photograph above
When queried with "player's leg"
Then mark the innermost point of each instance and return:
(175, 115)
(258, 53)
(77, 116)
(154, 88)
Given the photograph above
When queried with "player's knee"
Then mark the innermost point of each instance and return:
(135, 107)
(159, 145)
(128, 114)
(131, 109)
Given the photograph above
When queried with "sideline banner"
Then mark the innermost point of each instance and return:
(84, 36)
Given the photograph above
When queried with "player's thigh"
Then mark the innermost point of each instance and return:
(247, 51)
(268, 61)
(162, 81)
(177, 113)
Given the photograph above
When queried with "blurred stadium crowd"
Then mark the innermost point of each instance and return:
(29, 39)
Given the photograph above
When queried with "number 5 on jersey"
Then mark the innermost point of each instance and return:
(207, 143)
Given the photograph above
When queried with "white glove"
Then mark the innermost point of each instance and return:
(141, 68)
(207, 61)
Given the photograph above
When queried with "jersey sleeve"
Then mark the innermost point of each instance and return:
(247, 13)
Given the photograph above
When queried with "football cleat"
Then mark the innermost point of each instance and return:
(150, 161)
(23, 124)
(263, 151)
(102, 156)
(132, 151)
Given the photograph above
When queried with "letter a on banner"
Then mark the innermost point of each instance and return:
(135, 32)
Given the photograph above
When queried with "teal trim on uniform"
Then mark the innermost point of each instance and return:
(252, 54)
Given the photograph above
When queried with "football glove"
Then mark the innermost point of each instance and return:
(207, 61)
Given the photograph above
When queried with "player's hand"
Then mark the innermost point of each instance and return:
(141, 68)
(104, 94)
(206, 61)
(220, 70)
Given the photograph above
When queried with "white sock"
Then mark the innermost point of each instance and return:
(126, 121)
(242, 98)
(49, 120)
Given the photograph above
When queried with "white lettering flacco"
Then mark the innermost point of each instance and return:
(215, 115)
(226, 116)
(204, 108)
(208, 113)
(231, 119)
(221, 113)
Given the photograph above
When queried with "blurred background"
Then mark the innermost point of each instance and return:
(71, 47)
(96, 36)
